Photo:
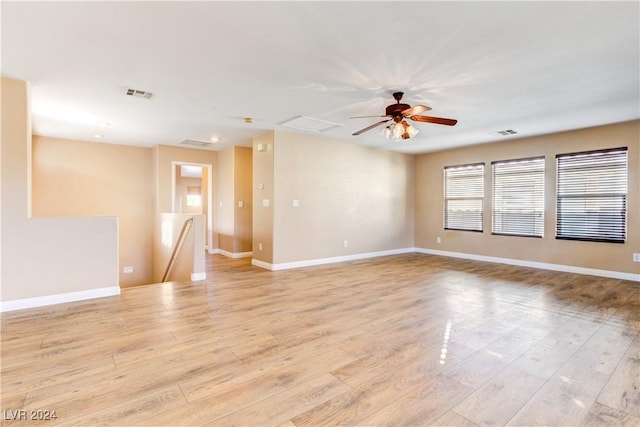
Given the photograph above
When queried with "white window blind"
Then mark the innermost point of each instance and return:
(463, 197)
(518, 197)
(592, 196)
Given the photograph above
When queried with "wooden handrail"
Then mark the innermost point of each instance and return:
(186, 227)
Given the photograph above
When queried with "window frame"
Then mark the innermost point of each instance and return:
(447, 199)
(586, 196)
(539, 213)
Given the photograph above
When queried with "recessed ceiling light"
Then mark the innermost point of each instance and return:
(97, 135)
(215, 139)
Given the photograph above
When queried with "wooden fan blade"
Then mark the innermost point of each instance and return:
(415, 110)
(438, 120)
(370, 127)
(367, 117)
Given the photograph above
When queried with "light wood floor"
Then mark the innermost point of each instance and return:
(403, 340)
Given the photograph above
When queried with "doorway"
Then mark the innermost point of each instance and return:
(192, 192)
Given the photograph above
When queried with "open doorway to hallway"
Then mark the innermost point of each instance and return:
(192, 193)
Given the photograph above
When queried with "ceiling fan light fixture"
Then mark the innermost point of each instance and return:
(398, 131)
(409, 131)
(386, 132)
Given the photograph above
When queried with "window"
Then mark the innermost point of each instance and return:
(194, 197)
(592, 196)
(194, 200)
(463, 197)
(518, 197)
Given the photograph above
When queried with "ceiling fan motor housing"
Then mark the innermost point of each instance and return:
(395, 110)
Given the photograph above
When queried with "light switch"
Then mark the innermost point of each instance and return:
(240, 204)
(295, 203)
(265, 203)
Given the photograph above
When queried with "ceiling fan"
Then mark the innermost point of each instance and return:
(399, 128)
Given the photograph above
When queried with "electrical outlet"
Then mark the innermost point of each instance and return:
(127, 270)
(346, 243)
(260, 246)
(438, 239)
(636, 257)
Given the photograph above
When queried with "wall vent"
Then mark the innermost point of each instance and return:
(139, 93)
(196, 142)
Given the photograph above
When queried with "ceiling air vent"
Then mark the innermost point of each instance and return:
(505, 132)
(195, 143)
(139, 93)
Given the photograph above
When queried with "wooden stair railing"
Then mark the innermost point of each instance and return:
(184, 232)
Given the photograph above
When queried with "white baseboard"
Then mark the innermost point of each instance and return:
(213, 251)
(331, 260)
(21, 304)
(484, 258)
(261, 264)
(115, 290)
(534, 264)
(198, 276)
(235, 254)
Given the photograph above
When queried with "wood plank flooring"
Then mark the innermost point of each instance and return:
(403, 340)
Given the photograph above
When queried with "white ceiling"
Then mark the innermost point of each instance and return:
(535, 67)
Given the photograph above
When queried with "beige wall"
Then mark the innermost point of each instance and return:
(345, 192)
(79, 178)
(208, 226)
(595, 255)
(45, 257)
(225, 200)
(242, 184)
(234, 186)
(263, 180)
